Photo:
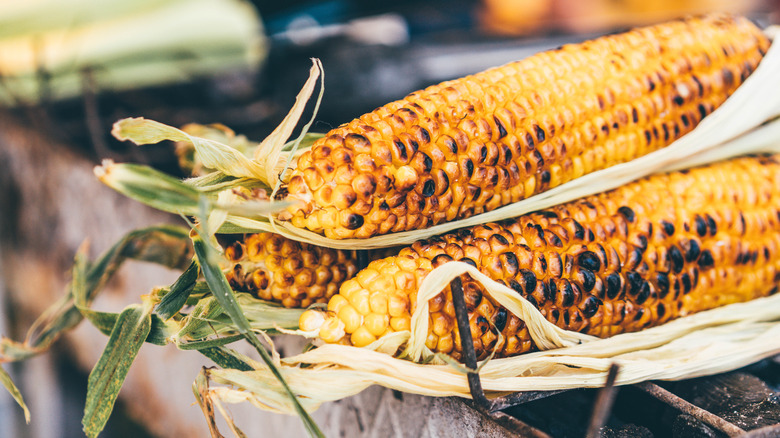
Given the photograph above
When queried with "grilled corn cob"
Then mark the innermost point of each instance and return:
(274, 268)
(662, 247)
(474, 144)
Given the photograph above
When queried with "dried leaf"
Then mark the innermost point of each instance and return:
(5, 379)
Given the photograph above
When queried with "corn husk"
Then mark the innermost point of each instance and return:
(745, 123)
(121, 44)
(705, 343)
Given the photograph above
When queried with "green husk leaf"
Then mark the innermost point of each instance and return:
(177, 296)
(5, 379)
(165, 245)
(150, 187)
(106, 379)
(213, 154)
(208, 259)
(106, 321)
(226, 358)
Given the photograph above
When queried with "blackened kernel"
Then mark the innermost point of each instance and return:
(551, 290)
(567, 294)
(589, 260)
(643, 294)
(678, 100)
(427, 162)
(706, 260)
(660, 310)
(634, 115)
(628, 213)
(425, 135)
(354, 221)
(591, 306)
(540, 135)
(686, 282)
(532, 300)
(613, 285)
(555, 313)
(440, 260)
(662, 282)
(702, 111)
(509, 259)
(635, 282)
(516, 286)
(553, 240)
(530, 140)
(469, 165)
(587, 280)
(668, 228)
(529, 279)
(501, 239)
(429, 188)
(500, 319)
(640, 312)
(500, 126)
(401, 150)
(579, 231)
(641, 243)
(469, 261)
(728, 76)
(566, 318)
(693, 251)
(545, 176)
(542, 262)
(591, 236)
(482, 324)
(678, 262)
(712, 227)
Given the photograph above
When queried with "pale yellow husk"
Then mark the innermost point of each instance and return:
(705, 343)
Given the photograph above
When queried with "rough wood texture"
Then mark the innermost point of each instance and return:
(50, 202)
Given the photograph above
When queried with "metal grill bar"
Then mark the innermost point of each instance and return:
(690, 409)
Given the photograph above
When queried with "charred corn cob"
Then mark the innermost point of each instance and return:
(274, 268)
(474, 144)
(656, 249)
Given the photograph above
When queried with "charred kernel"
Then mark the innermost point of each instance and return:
(706, 260)
(516, 286)
(529, 279)
(701, 226)
(635, 282)
(662, 283)
(544, 177)
(643, 294)
(500, 319)
(354, 221)
(692, 251)
(587, 280)
(500, 126)
(566, 293)
(677, 259)
(590, 261)
(613, 285)
(591, 306)
(429, 187)
(482, 324)
(711, 226)
(540, 135)
(509, 261)
(686, 282)
(579, 231)
(668, 228)
(551, 290)
(627, 212)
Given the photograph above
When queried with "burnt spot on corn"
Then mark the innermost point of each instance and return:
(590, 261)
(668, 228)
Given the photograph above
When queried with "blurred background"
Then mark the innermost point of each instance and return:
(68, 70)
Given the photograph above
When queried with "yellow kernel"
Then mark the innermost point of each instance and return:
(377, 323)
(432, 341)
(351, 318)
(349, 287)
(311, 320)
(366, 276)
(445, 344)
(360, 301)
(362, 337)
(397, 305)
(401, 323)
(332, 330)
(336, 303)
(378, 302)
